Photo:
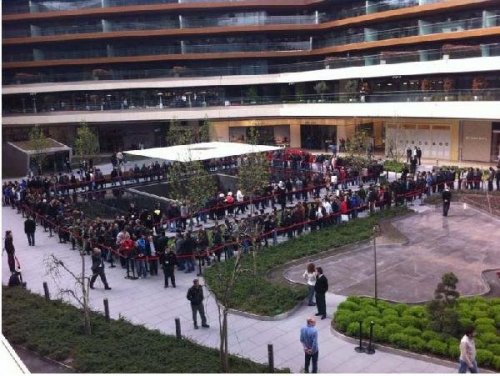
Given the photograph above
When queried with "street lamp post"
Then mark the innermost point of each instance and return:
(376, 231)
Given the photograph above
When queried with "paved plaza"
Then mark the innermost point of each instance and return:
(146, 302)
(409, 269)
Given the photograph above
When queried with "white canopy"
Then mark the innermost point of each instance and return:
(201, 151)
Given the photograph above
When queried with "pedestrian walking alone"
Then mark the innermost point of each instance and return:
(29, 230)
(195, 296)
(11, 251)
(446, 196)
(309, 340)
(321, 287)
(468, 352)
(98, 269)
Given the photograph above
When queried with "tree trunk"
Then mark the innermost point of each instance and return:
(225, 360)
(85, 295)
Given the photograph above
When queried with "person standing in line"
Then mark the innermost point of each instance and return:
(11, 251)
(195, 296)
(321, 287)
(446, 196)
(29, 230)
(310, 277)
(468, 352)
(309, 339)
(168, 261)
(98, 269)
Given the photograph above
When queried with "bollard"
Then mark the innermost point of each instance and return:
(371, 348)
(178, 328)
(106, 309)
(270, 357)
(46, 291)
(360, 348)
(199, 267)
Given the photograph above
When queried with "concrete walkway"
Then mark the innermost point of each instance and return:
(146, 302)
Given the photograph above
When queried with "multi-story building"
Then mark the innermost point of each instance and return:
(408, 72)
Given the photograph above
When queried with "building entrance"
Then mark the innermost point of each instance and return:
(317, 137)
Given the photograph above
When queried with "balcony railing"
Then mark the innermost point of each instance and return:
(62, 103)
(248, 47)
(448, 52)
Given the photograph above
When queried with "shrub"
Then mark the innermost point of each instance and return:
(496, 362)
(487, 338)
(380, 333)
(400, 308)
(390, 312)
(429, 334)
(437, 347)
(416, 311)
(354, 299)
(465, 322)
(348, 305)
(416, 344)
(484, 321)
(497, 320)
(353, 329)
(479, 313)
(494, 348)
(484, 357)
(485, 328)
(410, 321)
(366, 324)
(412, 331)
(393, 329)
(399, 339)
(342, 320)
(453, 348)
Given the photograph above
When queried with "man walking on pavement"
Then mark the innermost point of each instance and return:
(98, 269)
(195, 296)
(309, 339)
(29, 230)
(446, 195)
(321, 287)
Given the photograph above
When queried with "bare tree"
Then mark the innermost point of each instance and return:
(81, 290)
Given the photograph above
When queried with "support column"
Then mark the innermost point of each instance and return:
(295, 134)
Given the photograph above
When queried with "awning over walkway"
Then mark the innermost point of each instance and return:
(202, 151)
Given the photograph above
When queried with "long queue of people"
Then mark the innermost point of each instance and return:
(144, 238)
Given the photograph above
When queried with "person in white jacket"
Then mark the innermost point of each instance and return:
(310, 277)
(468, 352)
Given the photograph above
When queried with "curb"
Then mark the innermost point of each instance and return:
(50, 360)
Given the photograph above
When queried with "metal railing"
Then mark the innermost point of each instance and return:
(152, 102)
(328, 63)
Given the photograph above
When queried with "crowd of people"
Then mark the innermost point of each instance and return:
(169, 237)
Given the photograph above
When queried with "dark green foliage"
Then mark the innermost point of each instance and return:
(442, 313)
(494, 348)
(453, 348)
(254, 293)
(438, 347)
(55, 329)
(401, 340)
(484, 358)
(411, 330)
(416, 344)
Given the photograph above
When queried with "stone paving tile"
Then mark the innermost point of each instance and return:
(146, 302)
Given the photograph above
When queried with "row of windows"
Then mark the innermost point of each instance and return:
(253, 43)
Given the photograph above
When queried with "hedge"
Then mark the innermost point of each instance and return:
(407, 327)
(55, 329)
(256, 293)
